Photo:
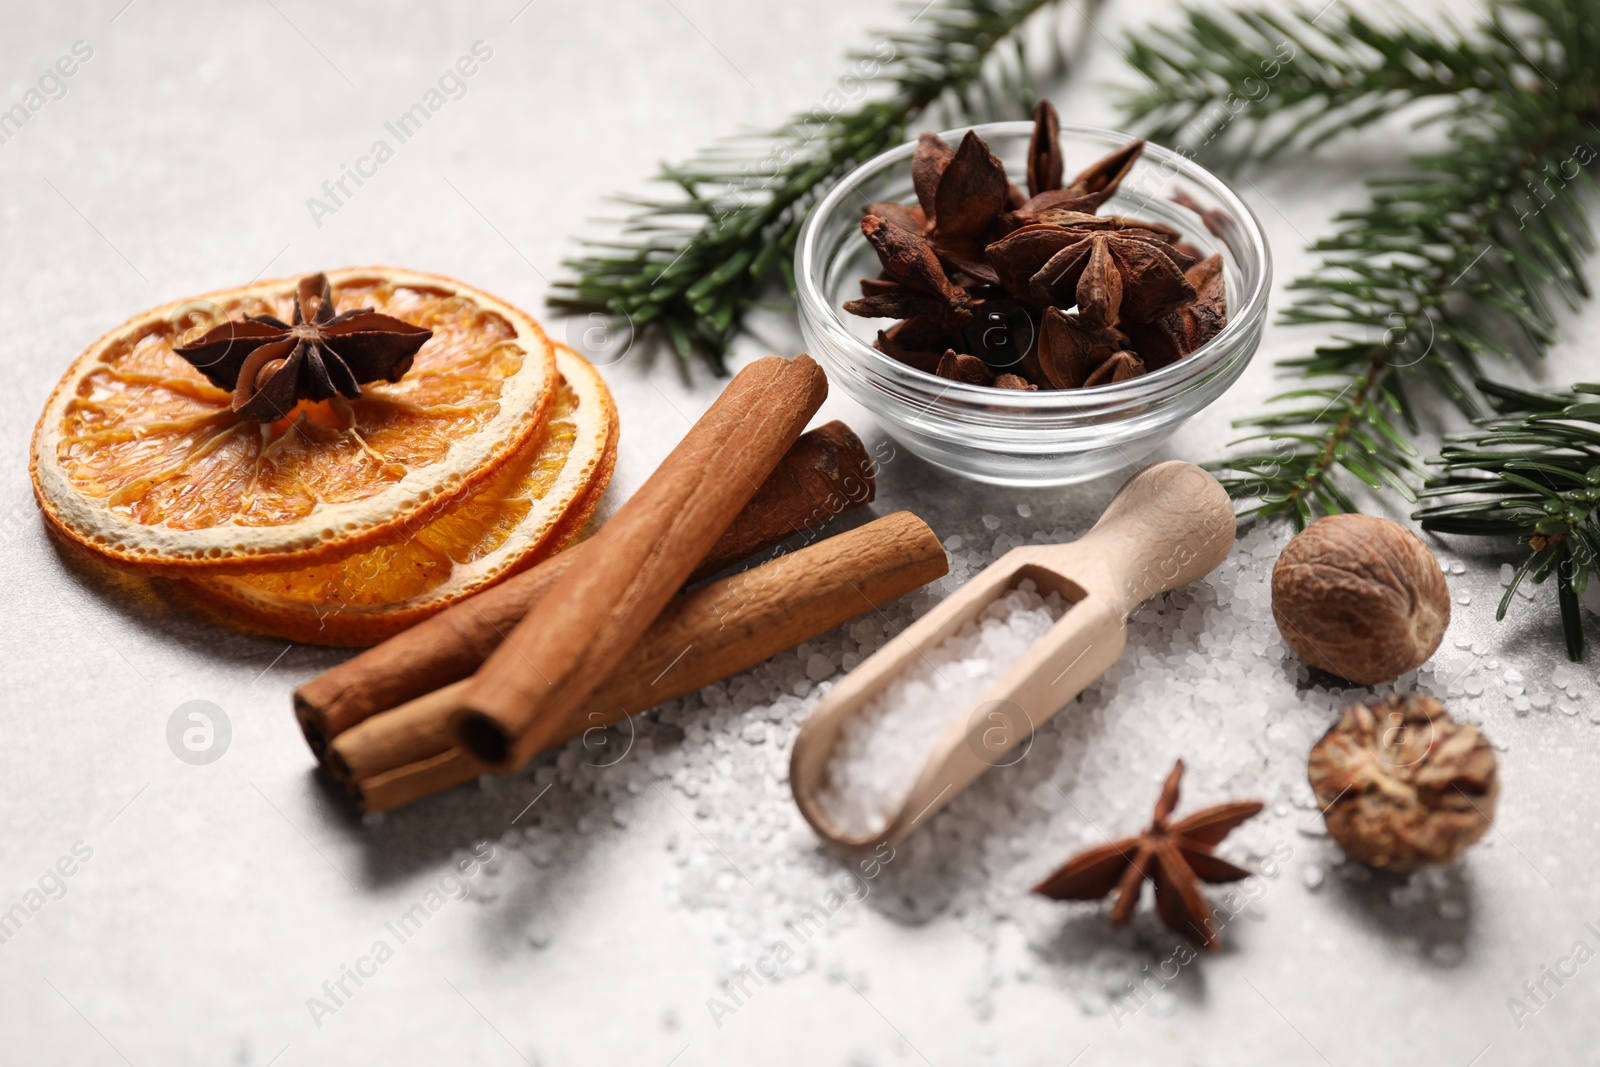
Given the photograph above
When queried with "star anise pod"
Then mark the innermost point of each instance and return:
(978, 268)
(960, 367)
(1045, 162)
(908, 259)
(1216, 220)
(1032, 212)
(961, 193)
(1073, 354)
(907, 218)
(1175, 855)
(972, 192)
(1178, 333)
(1102, 177)
(918, 342)
(1087, 191)
(1111, 268)
(928, 162)
(272, 365)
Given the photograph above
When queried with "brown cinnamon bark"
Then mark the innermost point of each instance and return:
(702, 636)
(561, 651)
(825, 473)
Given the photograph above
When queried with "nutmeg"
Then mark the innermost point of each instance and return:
(1402, 784)
(1360, 597)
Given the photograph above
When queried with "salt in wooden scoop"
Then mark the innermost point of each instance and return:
(1169, 525)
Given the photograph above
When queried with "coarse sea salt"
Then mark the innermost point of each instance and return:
(883, 747)
(741, 864)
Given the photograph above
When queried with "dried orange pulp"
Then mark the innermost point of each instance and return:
(531, 508)
(138, 457)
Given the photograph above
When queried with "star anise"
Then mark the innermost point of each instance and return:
(1110, 267)
(1045, 163)
(917, 285)
(1072, 354)
(1176, 856)
(978, 268)
(960, 367)
(1178, 333)
(961, 195)
(1102, 177)
(918, 342)
(272, 365)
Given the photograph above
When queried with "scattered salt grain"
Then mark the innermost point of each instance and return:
(991, 522)
(1025, 511)
(1506, 573)
(1242, 713)
(883, 747)
(1312, 877)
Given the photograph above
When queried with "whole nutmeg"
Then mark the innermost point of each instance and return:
(1360, 597)
(1401, 784)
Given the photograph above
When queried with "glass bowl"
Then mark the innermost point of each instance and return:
(1053, 437)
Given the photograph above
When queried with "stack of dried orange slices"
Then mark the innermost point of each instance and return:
(328, 459)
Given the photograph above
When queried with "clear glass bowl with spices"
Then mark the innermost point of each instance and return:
(1048, 436)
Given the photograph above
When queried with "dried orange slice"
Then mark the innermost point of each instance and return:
(530, 508)
(138, 457)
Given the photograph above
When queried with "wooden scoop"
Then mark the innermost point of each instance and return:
(1169, 525)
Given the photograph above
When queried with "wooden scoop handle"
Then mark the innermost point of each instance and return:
(1169, 525)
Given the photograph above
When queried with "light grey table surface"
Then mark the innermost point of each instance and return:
(208, 904)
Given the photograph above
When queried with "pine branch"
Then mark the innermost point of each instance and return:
(691, 265)
(1532, 473)
(1303, 76)
(1457, 261)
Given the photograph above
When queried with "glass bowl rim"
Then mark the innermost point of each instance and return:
(1169, 381)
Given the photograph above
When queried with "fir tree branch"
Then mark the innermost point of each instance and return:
(1452, 263)
(691, 265)
(1533, 473)
(1304, 76)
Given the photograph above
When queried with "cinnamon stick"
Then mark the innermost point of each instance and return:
(825, 473)
(576, 636)
(717, 630)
